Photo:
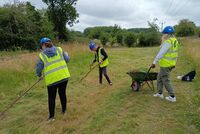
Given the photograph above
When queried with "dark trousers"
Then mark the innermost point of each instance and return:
(52, 91)
(103, 71)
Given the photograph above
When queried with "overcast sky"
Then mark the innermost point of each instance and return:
(130, 13)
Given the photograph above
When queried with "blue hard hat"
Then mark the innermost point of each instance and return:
(168, 30)
(44, 40)
(91, 45)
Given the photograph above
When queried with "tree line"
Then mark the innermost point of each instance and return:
(140, 37)
(22, 26)
(115, 35)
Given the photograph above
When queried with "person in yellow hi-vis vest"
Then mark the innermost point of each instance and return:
(102, 58)
(167, 58)
(52, 65)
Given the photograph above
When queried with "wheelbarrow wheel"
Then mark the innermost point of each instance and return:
(135, 86)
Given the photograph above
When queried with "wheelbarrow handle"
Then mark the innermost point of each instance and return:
(147, 72)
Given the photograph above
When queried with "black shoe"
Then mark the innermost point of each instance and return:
(51, 119)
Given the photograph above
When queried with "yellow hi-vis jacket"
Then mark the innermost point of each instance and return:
(170, 58)
(100, 58)
(55, 68)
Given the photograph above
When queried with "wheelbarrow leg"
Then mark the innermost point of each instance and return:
(142, 84)
(153, 85)
(149, 85)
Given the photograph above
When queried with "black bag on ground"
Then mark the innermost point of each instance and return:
(189, 76)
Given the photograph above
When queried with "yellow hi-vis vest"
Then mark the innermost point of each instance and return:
(100, 58)
(55, 68)
(170, 58)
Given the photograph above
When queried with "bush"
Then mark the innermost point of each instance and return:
(149, 39)
(21, 27)
(185, 28)
(112, 40)
(94, 34)
(119, 38)
(130, 39)
(198, 32)
(104, 38)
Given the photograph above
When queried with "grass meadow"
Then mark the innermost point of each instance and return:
(101, 109)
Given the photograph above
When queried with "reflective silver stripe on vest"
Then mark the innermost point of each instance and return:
(172, 51)
(54, 70)
(50, 63)
(167, 58)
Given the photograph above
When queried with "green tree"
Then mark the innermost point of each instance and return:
(198, 31)
(185, 28)
(104, 38)
(62, 12)
(149, 39)
(119, 38)
(46, 26)
(21, 26)
(130, 39)
(112, 40)
(115, 30)
(142, 39)
(86, 32)
(153, 26)
(17, 31)
(151, 36)
(94, 34)
(77, 36)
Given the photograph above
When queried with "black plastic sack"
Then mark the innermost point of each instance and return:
(189, 76)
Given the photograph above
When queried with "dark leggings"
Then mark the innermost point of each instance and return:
(52, 90)
(103, 71)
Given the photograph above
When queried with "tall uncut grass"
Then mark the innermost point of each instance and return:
(191, 49)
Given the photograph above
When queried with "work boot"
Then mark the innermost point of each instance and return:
(158, 95)
(171, 99)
